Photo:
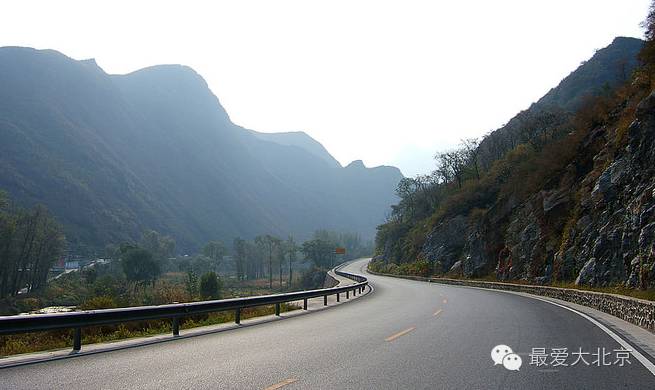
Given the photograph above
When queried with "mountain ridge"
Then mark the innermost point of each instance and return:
(609, 65)
(113, 155)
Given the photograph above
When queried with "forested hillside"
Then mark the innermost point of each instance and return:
(115, 155)
(563, 193)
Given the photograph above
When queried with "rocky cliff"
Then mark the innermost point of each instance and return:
(596, 225)
(576, 207)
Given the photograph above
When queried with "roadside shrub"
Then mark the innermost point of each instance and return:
(166, 292)
(100, 302)
(416, 268)
(313, 278)
(210, 286)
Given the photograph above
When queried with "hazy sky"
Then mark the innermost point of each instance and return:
(386, 82)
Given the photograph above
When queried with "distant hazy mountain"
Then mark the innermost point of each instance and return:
(112, 155)
(301, 140)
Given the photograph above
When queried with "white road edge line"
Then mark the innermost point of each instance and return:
(641, 358)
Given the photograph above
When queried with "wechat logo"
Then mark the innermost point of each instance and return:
(503, 354)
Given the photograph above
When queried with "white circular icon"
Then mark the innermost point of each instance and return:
(512, 362)
(499, 352)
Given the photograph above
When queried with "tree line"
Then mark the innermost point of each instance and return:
(31, 242)
(264, 257)
(266, 254)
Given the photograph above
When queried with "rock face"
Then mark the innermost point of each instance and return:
(457, 245)
(614, 236)
(446, 242)
(596, 225)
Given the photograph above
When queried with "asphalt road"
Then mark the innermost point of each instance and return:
(403, 335)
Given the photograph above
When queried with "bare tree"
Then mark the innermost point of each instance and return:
(30, 242)
(215, 250)
(240, 257)
(453, 164)
(269, 244)
(471, 148)
(292, 250)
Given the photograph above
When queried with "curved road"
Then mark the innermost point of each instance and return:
(403, 335)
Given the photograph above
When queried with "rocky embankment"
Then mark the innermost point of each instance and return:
(594, 224)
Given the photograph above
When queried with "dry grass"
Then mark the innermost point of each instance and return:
(45, 341)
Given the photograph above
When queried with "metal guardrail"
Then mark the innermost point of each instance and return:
(176, 311)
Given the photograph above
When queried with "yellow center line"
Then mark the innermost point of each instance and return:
(281, 384)
(402, 333)
(436, 313)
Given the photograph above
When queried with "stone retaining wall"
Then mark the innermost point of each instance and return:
(636, 311)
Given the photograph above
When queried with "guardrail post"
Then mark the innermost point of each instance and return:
(347, 294)
(355, 291)
(277, 309)
(176, 326)
(237, 316)
(304, 304)
(77, 340)
(324, 300)
(338, 296)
